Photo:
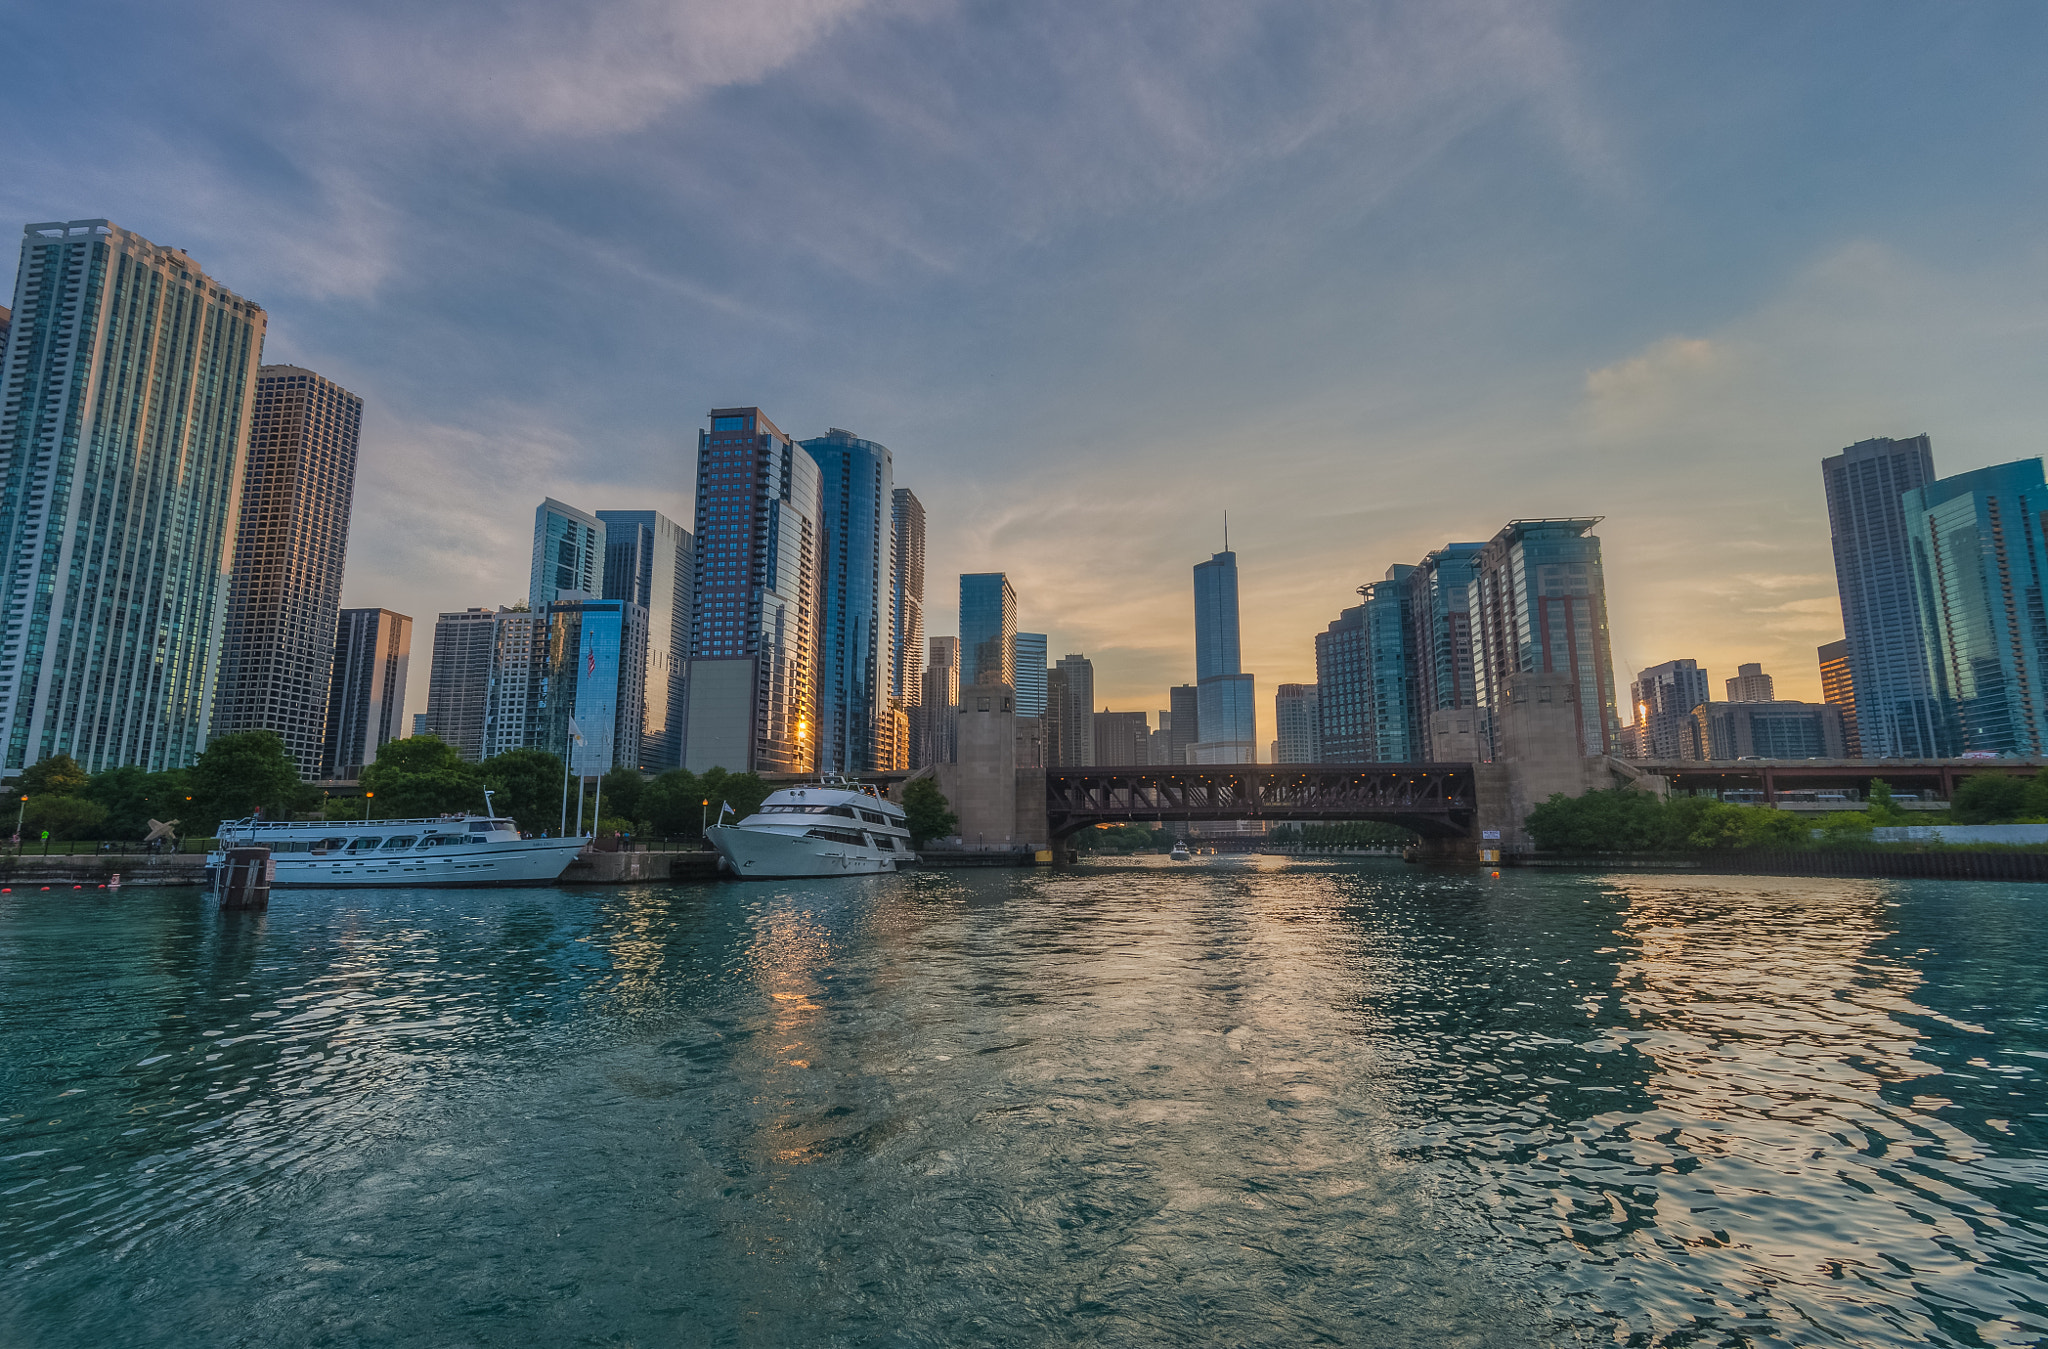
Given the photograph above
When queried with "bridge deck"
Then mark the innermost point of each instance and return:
(1433, 799)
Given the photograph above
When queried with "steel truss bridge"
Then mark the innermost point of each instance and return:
(1435, 800)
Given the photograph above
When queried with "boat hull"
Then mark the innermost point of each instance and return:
(758, 854)
(529, 862)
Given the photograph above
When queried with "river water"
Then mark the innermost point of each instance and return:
(1229, 1102)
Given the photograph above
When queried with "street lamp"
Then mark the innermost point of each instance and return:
(366, 804)
(20, 816)
(702, 811)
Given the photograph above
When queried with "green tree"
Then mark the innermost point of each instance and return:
(743, 791)
(58, 775)
(63, 816)
(1990, 798)
(927, 812)
(622, 789)
(134, 796)
(421, 776)
(1620, 819)
(528, 787)
(240, 774)
(672, 805)
(1879, 806)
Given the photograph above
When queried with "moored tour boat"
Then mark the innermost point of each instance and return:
(448, 850)
(833, 827)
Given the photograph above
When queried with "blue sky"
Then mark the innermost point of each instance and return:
(1371, 278)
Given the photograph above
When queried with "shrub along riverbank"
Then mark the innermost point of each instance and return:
(1624, 820)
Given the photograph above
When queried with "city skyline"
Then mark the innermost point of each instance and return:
(1620, 291)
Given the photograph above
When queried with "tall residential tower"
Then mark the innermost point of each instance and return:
(856, 632)
(1897, 714)
(1539, 605)
(284, 601)
(753, 651)
(129, 378)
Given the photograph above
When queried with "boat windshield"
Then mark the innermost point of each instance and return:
(365, 844)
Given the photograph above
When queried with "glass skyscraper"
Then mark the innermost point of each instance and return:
(568, 555)
(591, 710)
(1538, 603)
(1031, 669)
(1979, 567)
(284, 601)
(855, 630)
(753, 652)
(1898, 715)
(1228, 721)
(129, 377)
(651, 560)
(1438, 591)
(988, 630)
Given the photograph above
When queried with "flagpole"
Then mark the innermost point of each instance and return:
(581, 783)
(565, 794)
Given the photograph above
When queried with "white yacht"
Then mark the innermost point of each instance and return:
(1180, 851)
(832, 827)
(445, 851)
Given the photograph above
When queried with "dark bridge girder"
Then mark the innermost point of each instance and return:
(1436, 800)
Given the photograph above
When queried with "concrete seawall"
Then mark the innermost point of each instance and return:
(92, 870)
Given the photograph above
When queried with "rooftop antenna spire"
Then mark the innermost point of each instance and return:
(1226, 531)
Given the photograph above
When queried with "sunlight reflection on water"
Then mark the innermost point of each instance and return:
(1239, 1101)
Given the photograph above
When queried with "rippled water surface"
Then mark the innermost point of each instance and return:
(1248, 1103)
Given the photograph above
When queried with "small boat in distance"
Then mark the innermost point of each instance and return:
(833, 827)
(1180, 850)
(449, 850)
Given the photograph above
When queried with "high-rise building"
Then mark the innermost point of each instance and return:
(1343, 722)
(753, 655)
(6, 325)
(1162, 739)
(933, 729)
(129, 378)
(1979, 569)
(1070, 709)
(1664, 697)
(1121, 739)
(1751, 685)
(1539, 604)
(1897, 713)
(568, 555)
(652, 561)
(1295, 718)
(459, 679)
(277, 658)
(1365, 677)
(906, 610)
(593, 706)
(988, 629)
(1837, 686)
(517, 692)
(1031, 669)
(1228, 720)
(1184, 703)
(1438, 590)
(366, 696)
(1764, 730)
(855, 628)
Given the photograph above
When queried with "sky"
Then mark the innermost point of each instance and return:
(1371, 278)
